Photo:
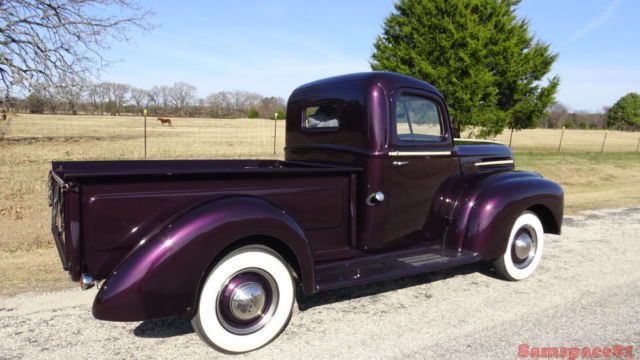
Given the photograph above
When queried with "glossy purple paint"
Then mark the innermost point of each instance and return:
(480, 212)
(154, 229)
(120, 211)
(150, 281)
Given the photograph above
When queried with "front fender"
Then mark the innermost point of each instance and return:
(486, 210)
(161, 276)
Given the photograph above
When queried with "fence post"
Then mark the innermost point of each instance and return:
(606, 132)
(561, 137)
(638, 146)
(510, 138)
(145, 133)
(275, 131)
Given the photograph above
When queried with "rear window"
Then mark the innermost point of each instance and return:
(323, 116)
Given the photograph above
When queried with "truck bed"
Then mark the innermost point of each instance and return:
(105, 208)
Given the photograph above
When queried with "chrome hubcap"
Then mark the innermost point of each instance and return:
(247, 300)
(523, 246)
(523, 249)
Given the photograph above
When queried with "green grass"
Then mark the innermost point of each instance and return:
(590, 180)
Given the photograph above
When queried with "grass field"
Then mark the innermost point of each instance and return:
(28, 259)
(547, 140)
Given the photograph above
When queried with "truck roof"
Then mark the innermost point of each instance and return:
(389, 80)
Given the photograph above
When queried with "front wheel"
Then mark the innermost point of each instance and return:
(524, 248)
(246, 300)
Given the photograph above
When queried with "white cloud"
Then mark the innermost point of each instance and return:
(594, 24)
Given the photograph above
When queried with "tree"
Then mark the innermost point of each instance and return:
(268, 106)
(153, 99)
(35, 103)
(253, 114)
(556, 113)
(163, 96)
(182, 94)
(232, 104)
(478, 53)
(117, 96)
(71, 93)
(625, 112)
(97, 95)
(138, 97)
(47, 41)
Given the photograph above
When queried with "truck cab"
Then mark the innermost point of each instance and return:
(397, 129)
(373, 186)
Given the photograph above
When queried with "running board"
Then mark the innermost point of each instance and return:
(388, 266)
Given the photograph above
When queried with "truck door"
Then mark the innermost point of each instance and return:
(421, 158)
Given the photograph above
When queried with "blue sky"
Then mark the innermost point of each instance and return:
(270, 47)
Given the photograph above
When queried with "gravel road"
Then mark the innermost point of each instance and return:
(585, 293)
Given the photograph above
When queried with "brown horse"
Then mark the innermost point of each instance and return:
(164, 121)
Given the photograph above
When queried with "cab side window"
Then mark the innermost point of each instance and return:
(417, 119)
(325, 116)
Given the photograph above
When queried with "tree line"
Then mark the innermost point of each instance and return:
(180, 99)
(623, 115)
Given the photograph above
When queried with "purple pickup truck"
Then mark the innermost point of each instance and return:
(373, 187)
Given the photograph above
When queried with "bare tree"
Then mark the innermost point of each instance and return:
(44, 41)
(153, 99)
(117, 96)
(71, 92)
(165, 98)
(97, 94)
(200, 109)
(556, 116)
(269, 105)
(232, 104)
(159, 97)
(216, 104)
(182, 94)
(138, 97)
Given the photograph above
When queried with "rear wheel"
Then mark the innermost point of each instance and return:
(524, 249)
(246, 300)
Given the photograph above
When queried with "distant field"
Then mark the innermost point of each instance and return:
(122, 137)
(547, 140)
(27, 256)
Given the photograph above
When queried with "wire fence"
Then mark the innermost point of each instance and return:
(571, 140)
(120, 137)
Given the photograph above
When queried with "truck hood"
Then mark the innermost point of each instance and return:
(482, 148)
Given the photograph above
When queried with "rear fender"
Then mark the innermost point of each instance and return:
(484, 213)
(161, 276)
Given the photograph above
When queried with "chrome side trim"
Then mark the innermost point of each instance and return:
(498, 162)
(478, 140)
(420, 153)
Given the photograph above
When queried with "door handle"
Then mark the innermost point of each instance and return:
(400, 163)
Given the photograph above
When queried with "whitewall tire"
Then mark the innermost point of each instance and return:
(246, 300)
(524, 248)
